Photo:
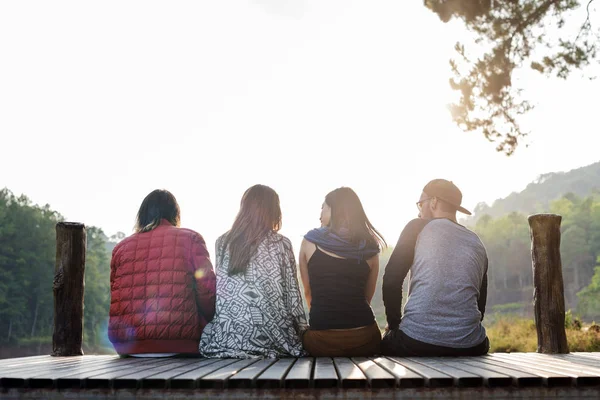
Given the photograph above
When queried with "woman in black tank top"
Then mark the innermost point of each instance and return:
(339, 263)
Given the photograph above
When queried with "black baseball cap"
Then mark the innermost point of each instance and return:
(446, 191)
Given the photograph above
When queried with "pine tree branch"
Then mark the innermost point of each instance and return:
(586, 23)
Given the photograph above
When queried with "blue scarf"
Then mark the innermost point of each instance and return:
(340, 245)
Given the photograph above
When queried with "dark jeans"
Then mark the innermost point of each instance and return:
(398, 343)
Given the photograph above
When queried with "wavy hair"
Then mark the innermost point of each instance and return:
(259, 215)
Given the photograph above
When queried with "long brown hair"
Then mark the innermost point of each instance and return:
(347, 213)
(259, 214)
(159, 204)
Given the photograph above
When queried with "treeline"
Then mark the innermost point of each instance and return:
(509, 251)
(27, 261)
(538, 195)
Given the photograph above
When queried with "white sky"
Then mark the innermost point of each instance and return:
(102, 102)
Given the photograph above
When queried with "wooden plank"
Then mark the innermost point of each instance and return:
(102, 379)
(460, 377)
(432, 377)
(72, 377)
(15, 360)
(558, 360)
(6, 372)
(549, 379)
(25, 362)
(273, 376)
(594, 355)
(300, 374)
(191, 378)
(585, 355)
(582, 375)
(325, 375)
(246, 378)
(161, 380)
(53, 361)
(405, 378)
(591, 361)
(377, 377)
(79, 361)
(579, 376)
(519, 378)
(546, 365)
(134, 379)
(350, 375)
(29, 377)
(491, 377)
(580, 360)
(220, 378)
(18, 377)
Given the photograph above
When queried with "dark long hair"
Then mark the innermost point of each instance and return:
(259, 214)
(159, 204)
(347, 214)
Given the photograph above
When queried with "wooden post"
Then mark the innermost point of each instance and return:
(68, 289)
(548, 291)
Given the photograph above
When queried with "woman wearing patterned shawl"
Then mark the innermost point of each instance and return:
(259, 310)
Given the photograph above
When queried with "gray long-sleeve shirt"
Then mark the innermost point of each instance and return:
(447, 288)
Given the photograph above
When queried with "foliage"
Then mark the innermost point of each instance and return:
(508, 245)
(515, 334)
(36, 340)
(538, 195)
(572, 321)
(27, 254)
(589, 298)
(583, 340)
(27, 261)
(511, 34)
(510, 334)
(509, 308)
(97, 288)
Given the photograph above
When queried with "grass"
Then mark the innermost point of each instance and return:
(511, 334)
(516, 334)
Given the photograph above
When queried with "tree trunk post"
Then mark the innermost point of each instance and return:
(68, 289)
(548, 290)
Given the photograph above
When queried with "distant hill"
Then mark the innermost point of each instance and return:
(537, 195)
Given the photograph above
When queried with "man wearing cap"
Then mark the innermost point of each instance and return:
(447, 286)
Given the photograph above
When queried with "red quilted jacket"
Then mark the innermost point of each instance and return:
(162, 287)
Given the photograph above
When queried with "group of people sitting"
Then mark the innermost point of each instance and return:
(167, 299)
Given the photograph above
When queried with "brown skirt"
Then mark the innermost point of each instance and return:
(361, 342)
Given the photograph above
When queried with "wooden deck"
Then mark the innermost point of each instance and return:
(495, 376)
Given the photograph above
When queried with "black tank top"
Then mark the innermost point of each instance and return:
(337, 286)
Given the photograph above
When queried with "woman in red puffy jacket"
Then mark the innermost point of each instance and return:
(162, 284)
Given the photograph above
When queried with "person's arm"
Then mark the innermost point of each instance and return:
(205, 278)
(396, 269)
(481, 302)
(113, 268)
(372, 280)
(292, 297)
(113, 260)
(304, 272)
